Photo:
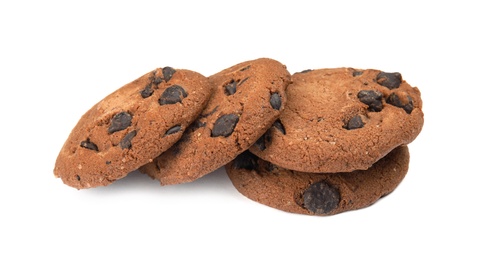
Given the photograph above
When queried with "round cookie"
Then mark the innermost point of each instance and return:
(341, 120)
(131, 126)
(247, 99)
(314, 193)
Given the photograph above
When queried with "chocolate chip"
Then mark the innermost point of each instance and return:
(157, 80)
(147, 91)
(305, 71)
(89, 145)
(172, 95)
(357, 73)
(394, 100)
(225, 125)
(245, 160)
(275, 101)
(119, 122)
(321, 198)
(78, 178)
(108, 162)
(278, 124)
(390, 80)
(354, 123)
(168, 72)
(371, 98)
(408, 107)
(126, 142)
(173, 130)
(262, 142)
(230, 88)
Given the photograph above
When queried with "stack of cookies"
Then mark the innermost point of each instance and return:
(318, 142)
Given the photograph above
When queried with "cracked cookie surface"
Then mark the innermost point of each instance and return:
(341, 120)
(317, 193)
(247, 99)
(131, 126)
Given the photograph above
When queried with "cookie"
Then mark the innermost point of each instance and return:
(317, 193)
(131, 126)
(341, 120)
(247, 99)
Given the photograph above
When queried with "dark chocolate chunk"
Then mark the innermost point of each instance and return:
(126, 142)
(245, 160)
(394, 100)
(408, 107)
(225, 125)
(390, 80)
(147, 91)
(168, 72)
(89, 145)
(120, 122)
(157, 80)
(354, 123)
(305, 71)
(278, 124)
(321, 198)
(262, 142)
(230, 88)
(108, 162)
(275, 101)
(172, 95)
(78, 178)
(371, 98)
(173, 130)
(357, 73)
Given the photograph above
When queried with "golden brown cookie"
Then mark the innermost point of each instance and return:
(131, 126)
(247, 99)
(314, 193)
(341, 120)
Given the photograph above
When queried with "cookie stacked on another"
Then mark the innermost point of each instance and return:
(319, 142)
(174, 125)
(340, 143)
(131, 126)
(247, 98)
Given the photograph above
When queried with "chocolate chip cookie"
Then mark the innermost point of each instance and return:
(341, 120)
(247, 99)
(317, 193)
(131, 126)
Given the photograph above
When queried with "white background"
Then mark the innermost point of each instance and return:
(57, 59)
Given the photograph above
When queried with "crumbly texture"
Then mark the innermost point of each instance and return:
(131, 126)
(247, 99)
(317, 194)
(341, 120)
